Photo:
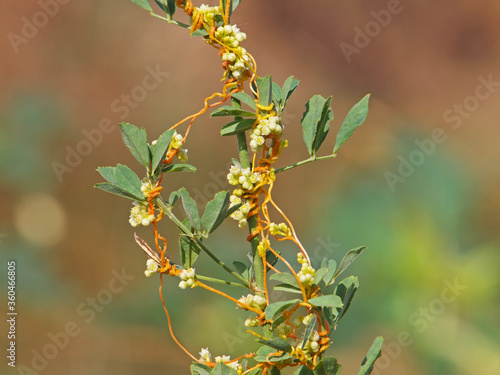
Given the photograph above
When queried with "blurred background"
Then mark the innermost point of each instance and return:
(418, 183)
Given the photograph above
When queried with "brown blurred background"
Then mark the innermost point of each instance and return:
(65, 69)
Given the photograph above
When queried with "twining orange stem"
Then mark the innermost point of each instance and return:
(304, 295)
(204, 286)
(170, 325)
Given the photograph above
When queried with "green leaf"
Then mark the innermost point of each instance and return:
(200, 369)
(190, 208)
(174, 196)
(328, 301)
(315, 121)
(136, 141)
(189, 249)
(222, 369)
(254, 372)
(276, 322)
(242, 269)
(179, 168)
(288, 89)
(144, 4)
(355, 117)
(277, 343)
(348, 259)
(330, 315)
(127, 180)
(373, 354)
(265, 87)
(285, 278)
(168, 6)
(266, 353)
(277, 307)
(318, 276)
(332, 266)
(230, 111)
(346, 290)
(328, 366)
(309, 330)
(199, 32)
(215, 211)
(108, 173)
(159, 149)
(245, 98)
(272, 258)
(276, 94)
(288, 288)
(237, 126)
(303, 370)
(275, 371)
(113, 189)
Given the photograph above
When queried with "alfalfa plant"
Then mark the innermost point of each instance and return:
(292, 333)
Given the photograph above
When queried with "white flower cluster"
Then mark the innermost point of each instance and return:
(264, 128)
(306, 274)
(246, 180)
(182, 155)
(206, 357)
(151, 267)
(188, 279)
(283, 331)
(281, 229)
(236, 58)
(252, 322)
(139, 214)
(225, 359)
(209, 13)
(243, 177)
(305, 320)
(312, 345)
(146, 186)
(257, 302)
(176, 140)
(241, 214)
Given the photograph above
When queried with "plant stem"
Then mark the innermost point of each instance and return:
(298, 164)
(219, 281)
(191, 235)
(252, 221)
